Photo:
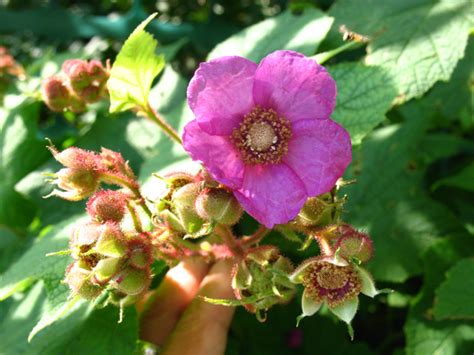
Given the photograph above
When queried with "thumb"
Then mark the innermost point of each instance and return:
(202, 330)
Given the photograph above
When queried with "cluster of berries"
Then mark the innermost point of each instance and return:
(79, 83)
(192, 205)
(106, 256)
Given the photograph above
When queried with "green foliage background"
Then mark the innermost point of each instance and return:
(406, 99)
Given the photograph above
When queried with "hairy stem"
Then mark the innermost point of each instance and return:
(228, 238)
(255, 238)
(151, 113)
(324, 245)
(135, 218)
(325, 56)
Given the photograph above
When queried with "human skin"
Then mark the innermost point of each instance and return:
(178, 321)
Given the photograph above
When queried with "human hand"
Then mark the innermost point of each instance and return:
(179, 322)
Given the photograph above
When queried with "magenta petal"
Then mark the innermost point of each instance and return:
(217, 154)
(295, 86)
(220, 93)
(272, 194)
(319, 152)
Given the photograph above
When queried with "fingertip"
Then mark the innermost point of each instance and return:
(164, 306)
(203, 328)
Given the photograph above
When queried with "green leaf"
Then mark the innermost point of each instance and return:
(463, 179)
(15, 209)
(102, 334)
(452, 98)
(21, 273)
(20, 148)
(12, 245)
(424, 334)
(455, 296)
(419, 42)
(134, 69)
(302, 33)
(58, 304)
(388, 202)
(364, 95)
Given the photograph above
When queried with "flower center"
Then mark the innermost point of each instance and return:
(262, 137)
(332, 277)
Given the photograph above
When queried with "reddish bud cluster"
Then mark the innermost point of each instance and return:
(106, 256)
(192, 203)
(85, 170)
(80, 83)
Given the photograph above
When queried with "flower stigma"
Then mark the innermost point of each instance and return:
(262, 137)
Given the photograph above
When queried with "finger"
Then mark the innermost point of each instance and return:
(203, 328)
(164, 307)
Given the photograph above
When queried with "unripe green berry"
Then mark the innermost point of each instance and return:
(132, 281)
(218, 205)
(111, 241)
(354, 244)
(183, 201)
(140, 253)
(315, 212)
(107, 268)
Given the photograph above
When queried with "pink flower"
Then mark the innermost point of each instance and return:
(264, 131)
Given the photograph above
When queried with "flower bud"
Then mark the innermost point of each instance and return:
(55, 93)
(87, 79)
(76, 71)
(354, 244)
(315, 212)
(97, 72)
(85, 234)
(218, 205)
(183, 201)
(132, 281)
(79, 282)
(140, 253)
(113, 161)
(75, 184)
(107, 205)
(76, 158)
(107, 268)
(111, 242)
(76, 104)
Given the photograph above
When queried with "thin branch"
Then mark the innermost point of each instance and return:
(154, 116)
